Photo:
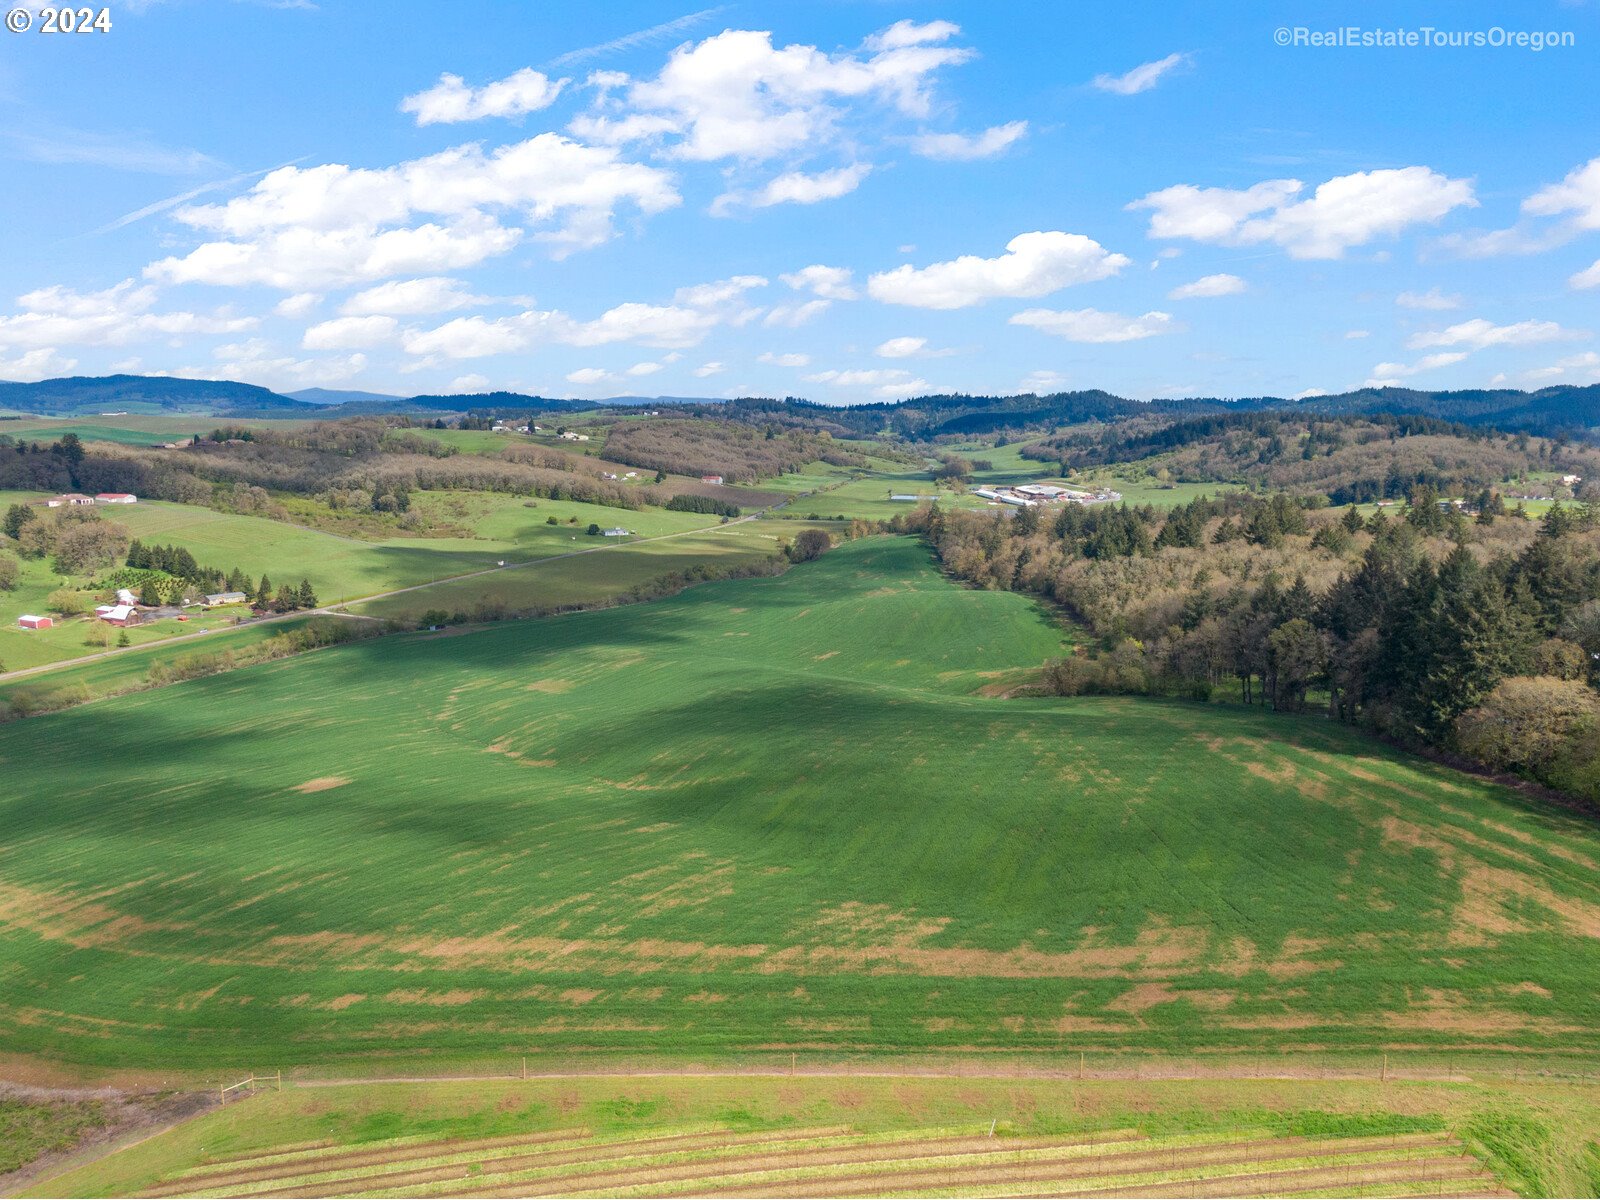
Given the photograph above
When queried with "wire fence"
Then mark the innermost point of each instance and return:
(1088, 1065)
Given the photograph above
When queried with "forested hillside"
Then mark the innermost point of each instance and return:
(1348, 459)
(737, 452)
(1474, 635)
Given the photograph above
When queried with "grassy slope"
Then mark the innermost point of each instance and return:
(765, 814)
(1534, 1136)
(507, 528)
(135, 428)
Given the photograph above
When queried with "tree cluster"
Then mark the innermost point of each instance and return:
(739, 453)
(1424, 628)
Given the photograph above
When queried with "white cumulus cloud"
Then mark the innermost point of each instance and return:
(1034, 264)
(34, 365)
(1588, 277)
(795, 187)
(1092, 325)
(451, 100)
(1479, 334)
(1208, 286)
(1431, 300)
(61, 316)
(411, 298)
(968, 147)
(350, 333)
(1347, 211)
(305, 228)
(831, 283)
(736, 95)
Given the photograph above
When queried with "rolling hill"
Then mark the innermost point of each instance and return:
(775, 814)
(1570, 410)
(147, 393)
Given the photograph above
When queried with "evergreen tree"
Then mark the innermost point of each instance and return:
(1352, 521)
(307, 598)
(264, 593)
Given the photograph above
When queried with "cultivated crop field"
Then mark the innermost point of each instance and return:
(773, 814)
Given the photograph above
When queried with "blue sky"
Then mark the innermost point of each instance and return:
(844, 201)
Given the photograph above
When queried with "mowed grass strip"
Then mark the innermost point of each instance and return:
(321, 1160)
(404, 1175)
(648, 1155)
(915, 1171)
(1446, 1172)
(785, 1164)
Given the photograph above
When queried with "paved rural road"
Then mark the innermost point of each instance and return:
(329, 610)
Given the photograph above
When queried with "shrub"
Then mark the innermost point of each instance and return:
(809, 544)
(68, 602)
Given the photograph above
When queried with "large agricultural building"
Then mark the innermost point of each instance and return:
(1028, 495)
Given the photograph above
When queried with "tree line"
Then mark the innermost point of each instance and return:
(1438, 629)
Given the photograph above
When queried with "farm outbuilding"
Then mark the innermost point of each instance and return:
(118, 614)
(618, 531)
(711, 479)
(29, 621)
(219, 598)
(69, 500)
(116, 498)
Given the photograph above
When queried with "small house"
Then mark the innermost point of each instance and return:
(1572, 480)
(29, 621)
(717, 479)
(126, 596)
(116, 498)
(619, 531)
(121, 615)
(69, 500)
(216, 599)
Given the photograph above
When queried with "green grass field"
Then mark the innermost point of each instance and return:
(854, 1135)
(765, 815)
(586, 570)
(507, 528)
(133, 428)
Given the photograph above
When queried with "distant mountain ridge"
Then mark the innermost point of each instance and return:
(1566, 409)
(331, 396)
(80, 395)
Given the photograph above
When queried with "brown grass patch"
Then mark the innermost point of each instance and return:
(322, 784)
(447, 999)
(1144, 996)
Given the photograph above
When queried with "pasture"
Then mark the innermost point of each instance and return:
(505, 528)
(810, 1135)
(771, 815)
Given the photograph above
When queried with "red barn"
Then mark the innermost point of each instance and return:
(29, 621)
(711, 479)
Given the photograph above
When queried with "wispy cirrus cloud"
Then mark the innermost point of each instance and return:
(641, 37)
(1142, 78)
